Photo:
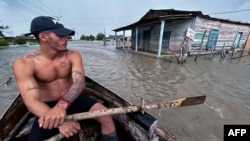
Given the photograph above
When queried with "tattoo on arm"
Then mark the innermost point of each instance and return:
(77, 86)
(31, 88)
(77, 75)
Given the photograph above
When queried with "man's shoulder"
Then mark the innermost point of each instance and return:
(73, 53)
(25, 58)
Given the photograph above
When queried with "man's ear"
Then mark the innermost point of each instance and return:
(43, 36)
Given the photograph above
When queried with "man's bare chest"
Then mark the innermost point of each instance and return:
(51, 71)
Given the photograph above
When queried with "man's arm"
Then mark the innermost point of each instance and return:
(28, 87)
(78, 80)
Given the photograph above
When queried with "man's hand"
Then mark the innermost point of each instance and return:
(53, 118)
(69, 128)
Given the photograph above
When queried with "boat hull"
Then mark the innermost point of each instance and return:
(16, 122)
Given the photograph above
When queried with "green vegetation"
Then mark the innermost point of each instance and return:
(99, 36)
(2, 28)
(88, 38)
(91, 38)
(83, 37)
(4, 42)
(20, 41)
(69, 38)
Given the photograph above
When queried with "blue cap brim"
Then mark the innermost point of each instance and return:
(59, 31)
(63, 31)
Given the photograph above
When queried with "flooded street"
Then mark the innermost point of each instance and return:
(225, 83)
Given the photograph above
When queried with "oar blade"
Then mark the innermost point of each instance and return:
(188, 101)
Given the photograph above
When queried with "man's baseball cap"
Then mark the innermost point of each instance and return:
(43, 23)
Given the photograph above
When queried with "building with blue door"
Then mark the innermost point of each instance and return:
(163, 31)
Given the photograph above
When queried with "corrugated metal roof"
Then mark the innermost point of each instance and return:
(170, 15)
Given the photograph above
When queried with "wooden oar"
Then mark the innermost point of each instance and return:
(112, 111)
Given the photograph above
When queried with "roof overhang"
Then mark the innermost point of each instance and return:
(155, 16)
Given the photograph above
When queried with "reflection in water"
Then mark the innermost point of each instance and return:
(130, 75)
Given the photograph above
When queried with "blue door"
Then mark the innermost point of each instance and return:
(212, 38)
(146, 39)
(237, 39)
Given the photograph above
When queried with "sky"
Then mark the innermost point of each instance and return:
(90, 17)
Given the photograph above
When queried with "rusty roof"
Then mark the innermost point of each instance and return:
(170, 15)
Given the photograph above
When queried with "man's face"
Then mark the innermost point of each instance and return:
(55, 41)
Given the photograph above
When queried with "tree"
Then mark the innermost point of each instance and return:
(88, 38)
(20, 41)
(91, 38)
(2, 28)
(69, 38)
(100, 36)
(83, 37)
(3, 42)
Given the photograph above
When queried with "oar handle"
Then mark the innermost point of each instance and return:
(112, 111)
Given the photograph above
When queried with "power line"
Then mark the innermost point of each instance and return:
(10, 2)
(53, 11)
(230, 12)
(30, 7)
(33, 5)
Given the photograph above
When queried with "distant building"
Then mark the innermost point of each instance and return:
(117, 40)
(162, 30)
(27, 38)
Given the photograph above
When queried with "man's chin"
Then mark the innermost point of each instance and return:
(61, 49)
(64, 50)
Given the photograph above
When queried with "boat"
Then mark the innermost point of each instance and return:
(16, 121)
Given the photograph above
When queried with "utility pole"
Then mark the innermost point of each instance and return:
(104, 39)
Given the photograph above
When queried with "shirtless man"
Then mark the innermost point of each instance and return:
(51, 80)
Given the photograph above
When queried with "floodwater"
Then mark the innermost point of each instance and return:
(225, 83)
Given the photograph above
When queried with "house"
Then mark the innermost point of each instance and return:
(119, 40)
(165, 31)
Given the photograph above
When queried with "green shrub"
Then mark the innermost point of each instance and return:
(4, 42)
(20, 41)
